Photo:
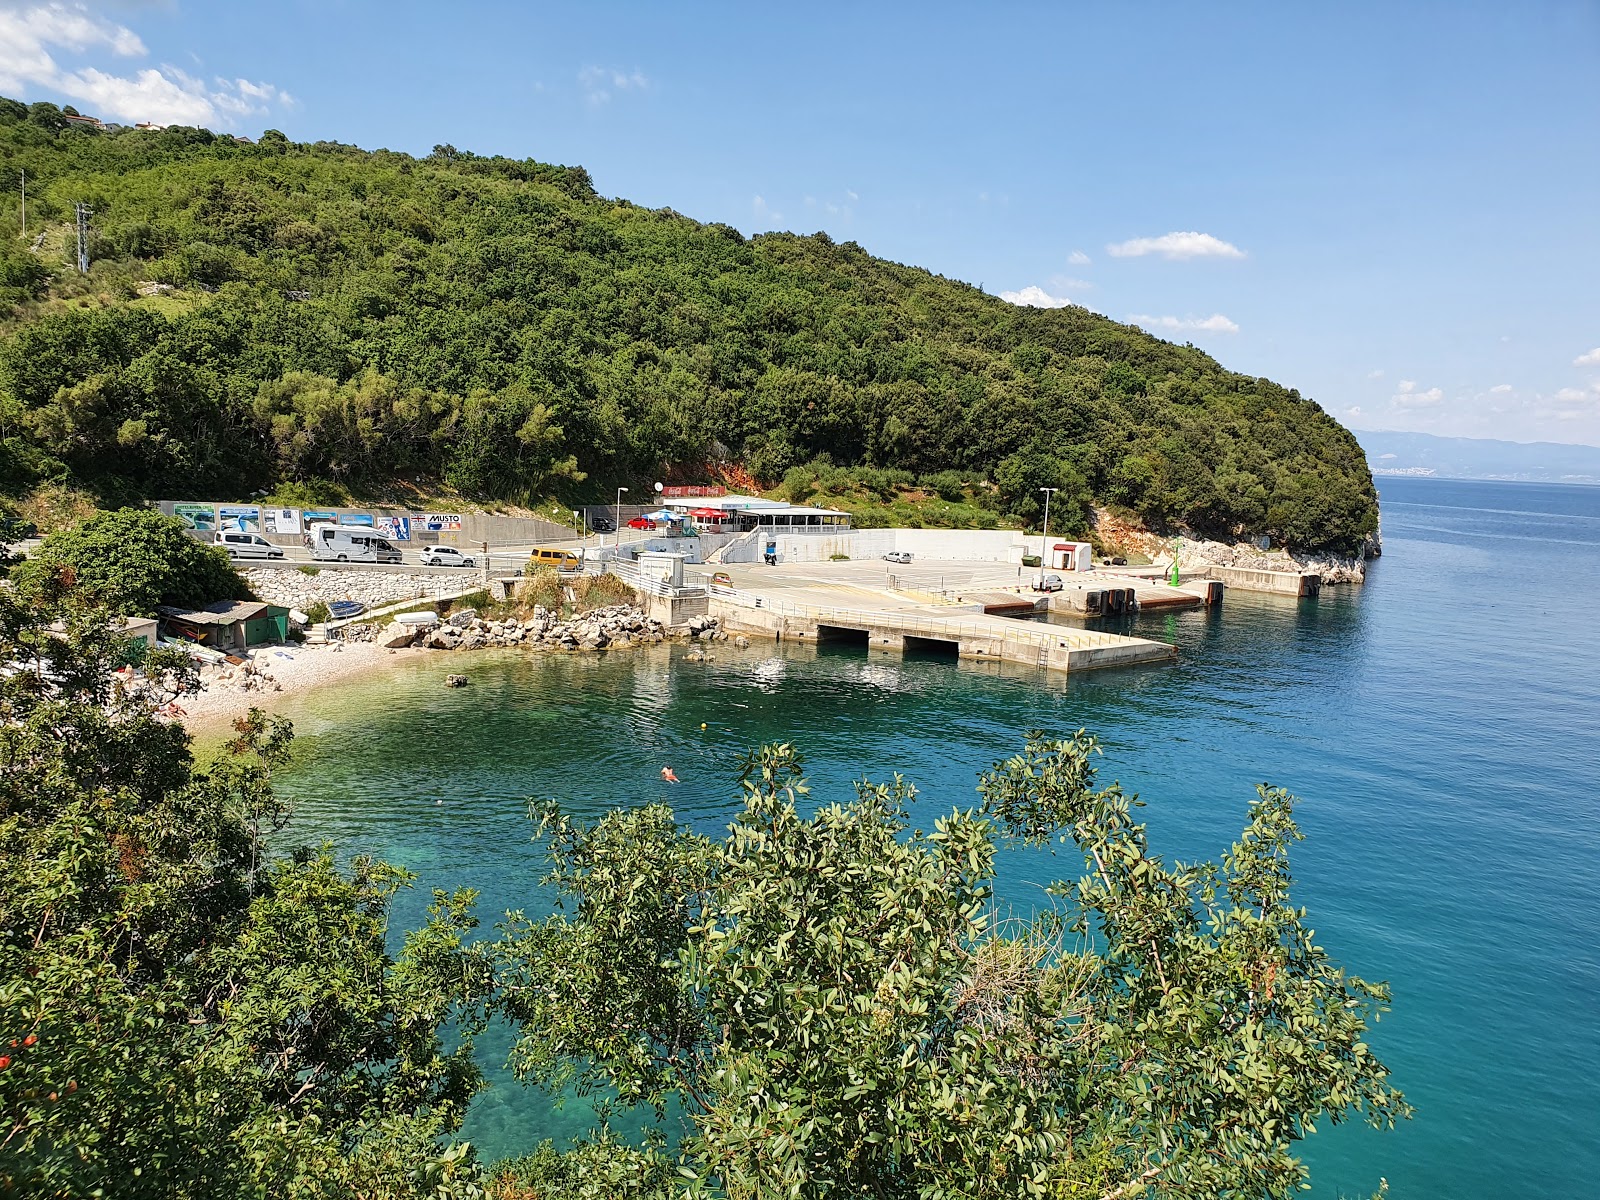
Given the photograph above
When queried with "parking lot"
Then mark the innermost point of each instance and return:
(862, 581)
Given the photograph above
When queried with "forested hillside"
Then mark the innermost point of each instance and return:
(341, 319)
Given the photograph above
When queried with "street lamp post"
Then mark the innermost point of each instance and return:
(1044, 541)
(620, 490)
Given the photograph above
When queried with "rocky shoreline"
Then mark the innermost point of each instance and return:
(1120, 537)
(613, 627)
(1332, 568)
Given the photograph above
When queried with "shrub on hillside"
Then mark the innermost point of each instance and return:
(131, 560)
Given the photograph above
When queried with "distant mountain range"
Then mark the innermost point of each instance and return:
(1479, 458)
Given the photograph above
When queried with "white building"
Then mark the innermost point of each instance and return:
(720, 513)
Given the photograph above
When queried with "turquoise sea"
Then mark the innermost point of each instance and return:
(1441, 725)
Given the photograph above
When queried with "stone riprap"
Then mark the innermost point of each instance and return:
(296, 589)
(614, 627)
(1194, 553)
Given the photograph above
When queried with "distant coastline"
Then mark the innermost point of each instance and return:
(1429, 473)
(1427, 456)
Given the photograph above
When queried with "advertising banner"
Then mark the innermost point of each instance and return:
(246, 518)
(315, 516)
(280, 520)
(356, 519)
(197, 516)
(396, 529)
(440, 522)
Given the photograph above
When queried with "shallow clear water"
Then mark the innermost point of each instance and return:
(1442, 726)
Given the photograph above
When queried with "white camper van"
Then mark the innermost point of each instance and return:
(351, 543)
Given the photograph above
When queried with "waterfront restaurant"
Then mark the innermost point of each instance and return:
(718, 514)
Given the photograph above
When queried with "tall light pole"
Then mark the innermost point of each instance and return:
(618, 522)
(1045, 540)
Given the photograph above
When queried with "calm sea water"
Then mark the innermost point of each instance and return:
(1441, 725)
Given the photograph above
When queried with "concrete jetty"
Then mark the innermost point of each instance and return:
(853, 603)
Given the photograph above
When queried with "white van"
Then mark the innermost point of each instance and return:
(245, 545)
(351, 543)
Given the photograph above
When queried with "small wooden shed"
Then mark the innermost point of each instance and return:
(228, 624)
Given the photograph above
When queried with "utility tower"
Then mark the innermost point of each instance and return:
(84, 213)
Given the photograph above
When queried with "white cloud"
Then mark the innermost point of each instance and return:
(764, 213)
(1571, 395)
(1409, 397)
(1177, 246)
(1066, 283)
(1034, 296)
(598, 83)
(1501, 389)
(1353, 411)
(1215, 323)
(853, 197)
(1591, 359)
(1079, 259)
(164, 95)
(1378, 374)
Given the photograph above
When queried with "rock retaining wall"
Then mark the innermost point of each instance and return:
(614, 627)
(296, 589)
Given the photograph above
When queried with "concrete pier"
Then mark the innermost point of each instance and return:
(967, 635)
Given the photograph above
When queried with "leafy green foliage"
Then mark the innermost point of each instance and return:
(351, 317)
(836, 1008)
(180, 1014)
(130, 560)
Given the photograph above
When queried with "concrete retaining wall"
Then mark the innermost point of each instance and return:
(476, 528)
(980, 545)
(1281, 583)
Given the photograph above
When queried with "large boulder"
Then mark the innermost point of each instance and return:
(397, 635)
(462, 618)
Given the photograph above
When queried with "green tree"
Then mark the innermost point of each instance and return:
(129, 561)
(180, 1013)
(838, 1009)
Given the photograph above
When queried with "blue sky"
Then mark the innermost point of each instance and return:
(1393, 207)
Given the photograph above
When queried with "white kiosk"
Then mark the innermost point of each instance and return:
(1072, 556)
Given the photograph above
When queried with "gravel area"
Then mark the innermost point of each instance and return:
(286, 671)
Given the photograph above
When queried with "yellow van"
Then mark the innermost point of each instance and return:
(551, 556)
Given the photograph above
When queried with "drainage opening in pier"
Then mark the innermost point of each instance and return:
(922, 647)
(839, 635)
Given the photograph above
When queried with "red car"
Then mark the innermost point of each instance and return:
(641, 523)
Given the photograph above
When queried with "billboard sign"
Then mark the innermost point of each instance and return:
(280, 520)
(356, 519)
(324, 516)
(440, 522)
(396, 529)
(246, 518)
(201, 517)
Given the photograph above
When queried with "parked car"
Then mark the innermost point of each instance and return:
(1048, 583)
(602, 524)
(722, 579)
(446, 556)
(245, 545)
(641, 523)
(897, 556)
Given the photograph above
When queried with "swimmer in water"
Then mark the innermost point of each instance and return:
(666, 773)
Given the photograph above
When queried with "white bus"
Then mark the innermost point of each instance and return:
(351, 543)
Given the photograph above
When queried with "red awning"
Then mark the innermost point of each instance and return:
(707, 514)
